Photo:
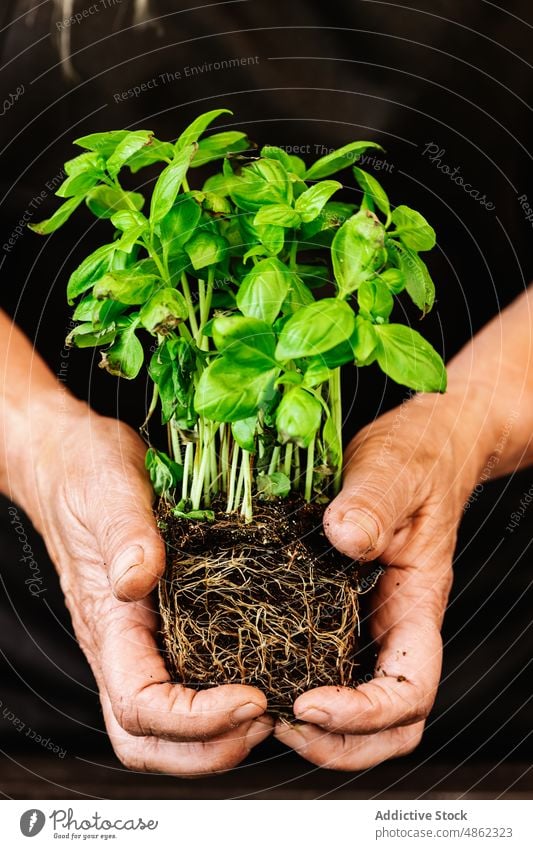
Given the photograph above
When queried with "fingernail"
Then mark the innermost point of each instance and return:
(246, 712)
(128, 559)
(365, 523)
(315, 716)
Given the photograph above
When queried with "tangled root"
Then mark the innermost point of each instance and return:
(254, 604)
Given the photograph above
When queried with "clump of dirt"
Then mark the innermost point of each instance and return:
(269, 603)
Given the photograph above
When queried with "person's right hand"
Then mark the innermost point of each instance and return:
(92, 502)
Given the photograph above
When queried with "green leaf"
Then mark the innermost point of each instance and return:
(393, 279)
(298, 296)
(104, 143)
(311, 202)
(104, 201)
(375, 300)
(171, 368)
(357, 251)
(320, 231)
(156, 151)
(127, 286)
(85, 336)
(244, 433)
(270, 151)
(129, 145)
(91, 269)
(49, 225)
(195, 515)
(205, 249)
(373, 187)
(193, 132)
(316, 373)
(168, 184)
(228, 391)
(364, 341)
(413, 229)
(262, 181)
(406, 357)
(248, 341)
(264, 289)
(416, 278)
(332, 442)
(315, 329)
(218, 146)
(125, 357)
(279, 214)
(298, 417)
(165, 473)
(90, 162)
(179, 224)
(338, 159)
(164, 311)
(276, 485)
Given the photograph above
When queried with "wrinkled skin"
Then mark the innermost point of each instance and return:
(100, 532)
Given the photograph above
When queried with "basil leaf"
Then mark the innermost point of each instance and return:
(228, 391)
(315, 329)
(85, 336)
(262, 181)
(393, 279)
(92, 267)
(373, 187)
(164, 311)
(193, 132)
(104, 143)
(375, 300)
(416, 278)
(338, 159)
(129, 145)
(179, 224)
(171, 368)
(264, 289)
(104, 201)
(276, 485)
(357, 251)
(128, 286)
(218, 146)
(298, 417)
(249, 341)
(125, 357)
(50, 225)
(205, 249)
(406, 357)
(156, 151)
(168, 184)
(277, 213)
(311, 202)
(243, 432)
(165, 473)
(413, 229)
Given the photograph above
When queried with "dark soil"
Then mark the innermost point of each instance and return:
(269, 603)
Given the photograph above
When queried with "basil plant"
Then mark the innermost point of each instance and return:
(255, 290)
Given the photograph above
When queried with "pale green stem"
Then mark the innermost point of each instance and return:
(240, 482)
(224, 456)
(288, 459)
(309, 471)
(274, 460)
(189, 455)
(246, 510)
(190, 306)
(232, 476)
(175, 441)
(297, 482)
(335, 407)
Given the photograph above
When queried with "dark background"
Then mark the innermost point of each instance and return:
(452, 73)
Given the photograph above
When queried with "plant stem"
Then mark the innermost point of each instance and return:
(224, 456)
(175, 441)
(274, 460)
(288, 459)
(309, 471)
(246, 510)
(232, 476)
(189, 453)
(293, 254)
(335, 407)
(190, 306)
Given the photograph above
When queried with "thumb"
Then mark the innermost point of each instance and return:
(378, 494)
(130, 544)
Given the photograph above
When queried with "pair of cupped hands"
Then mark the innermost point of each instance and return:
(405, 481)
